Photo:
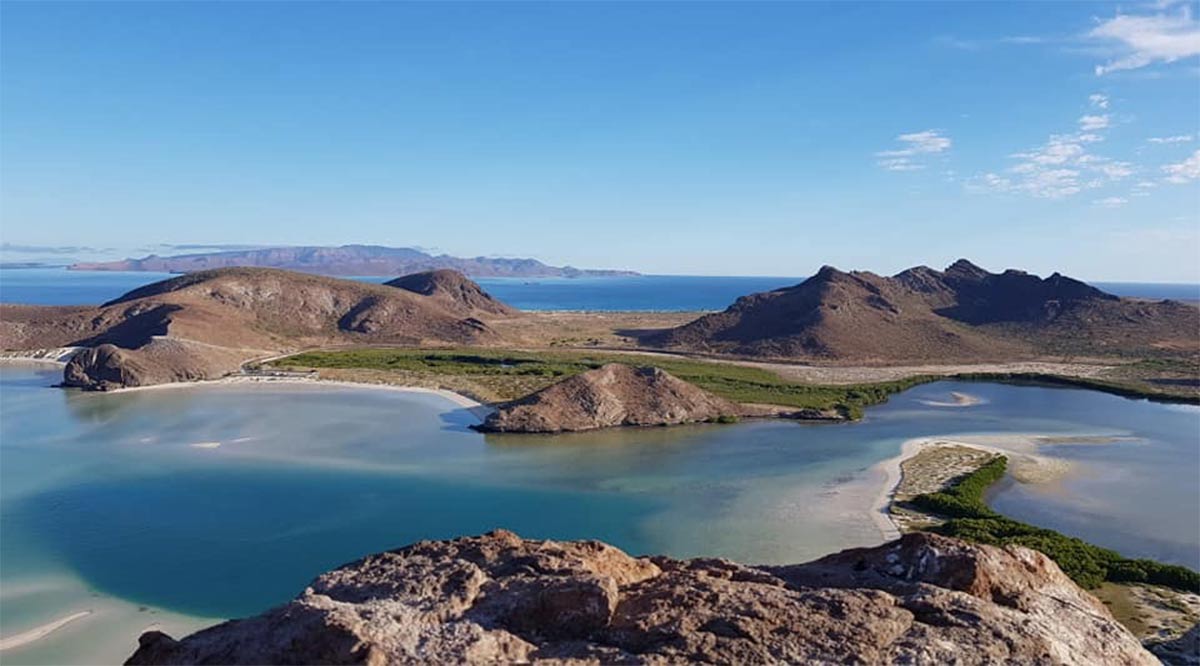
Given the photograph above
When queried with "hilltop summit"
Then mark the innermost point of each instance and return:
(453, 290)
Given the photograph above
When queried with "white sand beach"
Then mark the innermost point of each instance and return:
(478, 409)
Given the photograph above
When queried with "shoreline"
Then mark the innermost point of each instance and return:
(477, 409)
(40, 632)
(1021, 450)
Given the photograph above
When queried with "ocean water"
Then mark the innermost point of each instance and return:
(58, 286)
(173, 507)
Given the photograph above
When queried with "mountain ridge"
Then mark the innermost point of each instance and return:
(345, 260)
(925, 314)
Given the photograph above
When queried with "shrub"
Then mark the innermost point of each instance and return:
(1087, 564)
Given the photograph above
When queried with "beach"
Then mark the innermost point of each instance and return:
(1026, 465)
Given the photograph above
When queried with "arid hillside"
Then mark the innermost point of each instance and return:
(248, 312)
(962, 313)
(453, 291)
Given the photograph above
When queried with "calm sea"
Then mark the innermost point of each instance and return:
(58, 286)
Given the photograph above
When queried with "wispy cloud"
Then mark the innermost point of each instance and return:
(1178, 138)
(1142, 188)
(1061, 167)
(51, 249)
(914, 144)
(1185, 171)
(968, 44)
(1111, 202)
(1098, 100)
(1092, 123)
(1148, 39)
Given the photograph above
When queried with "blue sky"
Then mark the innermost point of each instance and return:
(684, 138)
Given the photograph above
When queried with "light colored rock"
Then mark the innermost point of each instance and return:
(498, 598)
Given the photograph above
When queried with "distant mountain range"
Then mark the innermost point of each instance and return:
(345, 260)
(961, 313)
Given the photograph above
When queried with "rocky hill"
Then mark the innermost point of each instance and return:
(501, 599)
(203, 324)
(612, 395)
(454, 291)
(344, 260)
(962, 313)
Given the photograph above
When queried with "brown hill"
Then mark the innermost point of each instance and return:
(962, 313)
(612, 395)
(248, 312)
(500, 599)
(454, 291)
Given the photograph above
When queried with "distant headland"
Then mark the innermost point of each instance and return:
(346, 260)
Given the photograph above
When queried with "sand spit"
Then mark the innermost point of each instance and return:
(1025, 465)
(38, 633)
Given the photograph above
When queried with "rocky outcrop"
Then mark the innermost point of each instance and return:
(963, 313)
(454, 291)
(498, 598)
(612, 395)
(161, 361)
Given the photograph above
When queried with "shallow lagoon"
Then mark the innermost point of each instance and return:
(122, 505)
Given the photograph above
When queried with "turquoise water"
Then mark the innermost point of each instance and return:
(121, 504)
(58, 286)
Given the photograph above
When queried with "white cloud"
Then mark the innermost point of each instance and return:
(915, 143)
(1092, 123)
(1178, 138)
(1148, 39)
(1142, 188)
(1099, 101)
(1111, 202)
(899, 164)
(1062, 166)
(1182, 172)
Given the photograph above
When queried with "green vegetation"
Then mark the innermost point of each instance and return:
(512, 374)
(508, 374)
(1086, 564)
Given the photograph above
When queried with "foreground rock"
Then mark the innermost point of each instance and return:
(502, 599)
(612, 395)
